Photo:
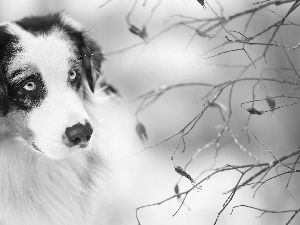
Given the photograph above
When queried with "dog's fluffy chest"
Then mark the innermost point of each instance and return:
(36, 191)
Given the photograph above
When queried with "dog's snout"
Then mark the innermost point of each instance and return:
(78, 134)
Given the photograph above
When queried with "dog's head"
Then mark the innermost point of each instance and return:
(47, 65)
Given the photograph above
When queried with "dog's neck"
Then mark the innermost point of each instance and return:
(57, 191)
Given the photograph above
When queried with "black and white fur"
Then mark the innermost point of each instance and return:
(50, 125)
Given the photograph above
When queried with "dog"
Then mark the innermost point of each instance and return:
(51, 158)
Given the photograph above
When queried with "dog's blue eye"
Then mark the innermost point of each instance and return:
(30, 86)
(72, 75)
(74, 78)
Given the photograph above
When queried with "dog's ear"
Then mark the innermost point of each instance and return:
(92, 58)
(91, 55)
(4, 100)
(89, 50)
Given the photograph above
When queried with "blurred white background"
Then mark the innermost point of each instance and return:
(150, 176)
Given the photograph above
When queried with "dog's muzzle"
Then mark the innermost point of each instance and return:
(78, 134)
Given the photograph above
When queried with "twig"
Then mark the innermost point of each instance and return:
(104, 4)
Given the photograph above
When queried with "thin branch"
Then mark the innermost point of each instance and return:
(104, 4)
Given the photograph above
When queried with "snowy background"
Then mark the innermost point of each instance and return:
(169, 59)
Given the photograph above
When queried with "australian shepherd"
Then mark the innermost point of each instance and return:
(50, 123)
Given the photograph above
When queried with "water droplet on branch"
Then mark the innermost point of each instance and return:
(136, 31)
(254, 111)
(271, 102)
(141, 131)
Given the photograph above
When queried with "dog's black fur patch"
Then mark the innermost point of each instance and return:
(39, 24)
(4, 99)
(7, 51)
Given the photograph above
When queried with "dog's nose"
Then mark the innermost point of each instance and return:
(78, 134)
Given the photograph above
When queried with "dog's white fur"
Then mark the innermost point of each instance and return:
(59, 185)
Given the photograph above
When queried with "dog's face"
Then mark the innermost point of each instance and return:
(47, 66)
